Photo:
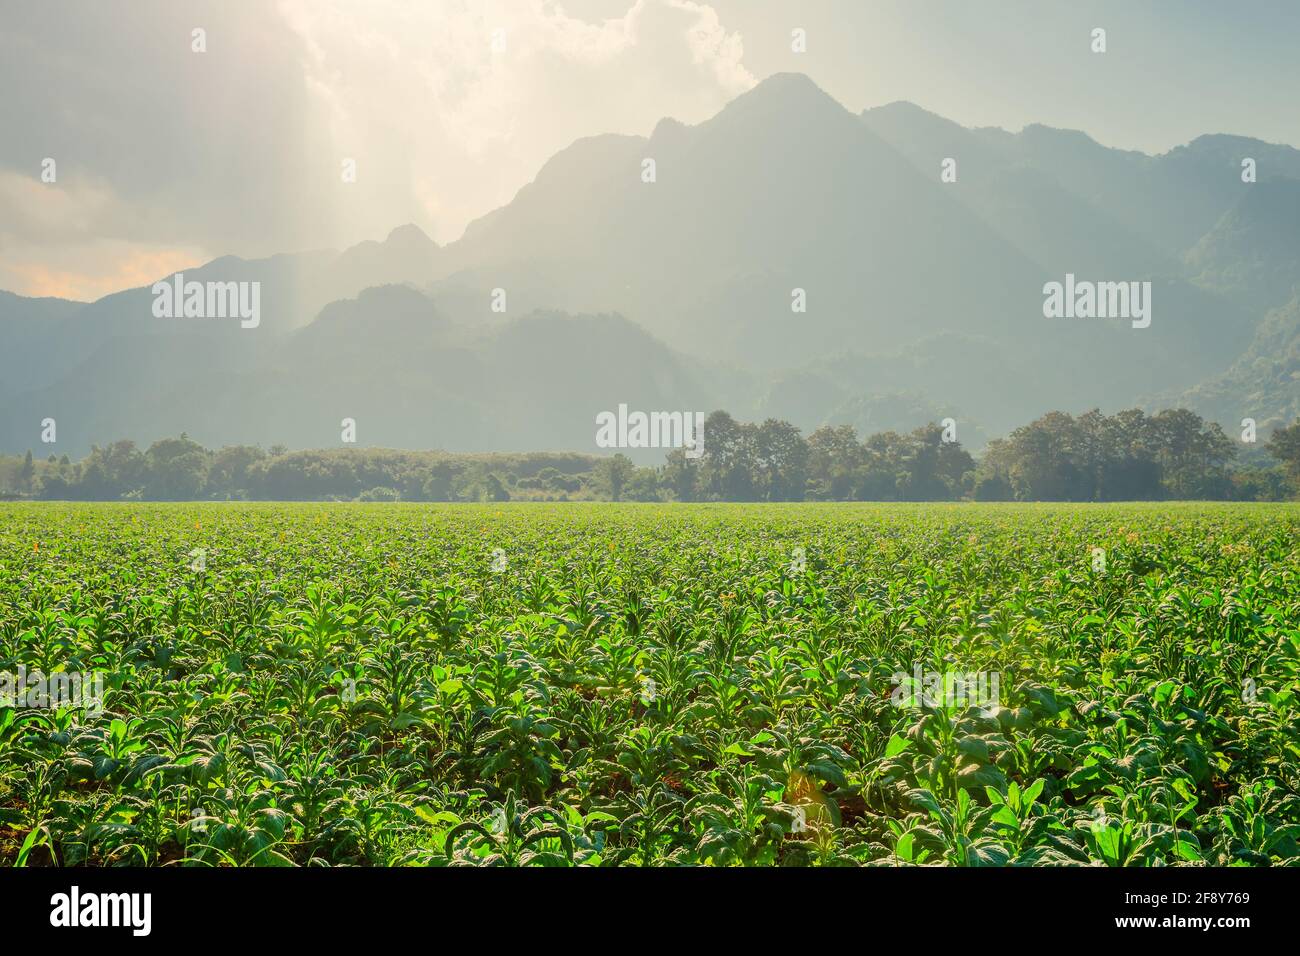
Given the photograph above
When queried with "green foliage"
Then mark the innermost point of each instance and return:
(1125, 457)
(512, 685)
(1284, 445)
(180, 469)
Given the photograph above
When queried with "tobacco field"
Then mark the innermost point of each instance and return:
(651, 685)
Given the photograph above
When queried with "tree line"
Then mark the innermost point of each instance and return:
(1058, 457)
(1128, 456)
(180, 469)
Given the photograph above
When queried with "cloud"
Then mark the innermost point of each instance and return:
(52, 212)
(158, 148)
(464, 102)
(64, 239)
(94, 269)
(165, 153)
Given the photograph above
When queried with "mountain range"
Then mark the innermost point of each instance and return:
(595, 287)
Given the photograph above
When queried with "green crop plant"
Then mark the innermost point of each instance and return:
(650, 685)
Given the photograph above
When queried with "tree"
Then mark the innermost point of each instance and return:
(613, 474)
(1046, 460)
(175, 469)
(932, 469)
(1127, 469)
(992, 487)
(439, 483)
(27, 473)
(834, 461)
(882, 473)
(1284, 445)
(228, 471)
(727, 472)
(781, 461)
(111, 473)
(1192, 453)
(495, 488)
(993, 474)
(681, 475)
(643, 485)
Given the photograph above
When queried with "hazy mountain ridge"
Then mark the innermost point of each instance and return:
(1253, 251)
(922, 296)
(1263, 384)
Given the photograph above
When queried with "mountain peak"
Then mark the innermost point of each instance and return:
(668, 128)
(902, 113)
(901, 107)
(1041, 132)
(784, 91)
(1216, 140)
(1229, 145)
(412, 236)
(787, 79)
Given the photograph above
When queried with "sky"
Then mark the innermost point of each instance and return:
(166, 157)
